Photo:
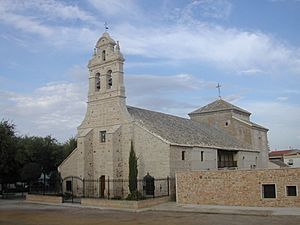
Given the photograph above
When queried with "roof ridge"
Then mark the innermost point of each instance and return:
(218, 105)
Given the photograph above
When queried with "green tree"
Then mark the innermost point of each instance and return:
(31, 172)
(69, 146)
(55, 181)
(133, 170)
(45, 151)
(9, 167)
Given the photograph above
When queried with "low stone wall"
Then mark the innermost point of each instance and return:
(123, 203)
(237, 188)
(44, 198)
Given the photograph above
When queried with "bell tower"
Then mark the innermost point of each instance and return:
(106, 95)
(99, 139)
(106, 70)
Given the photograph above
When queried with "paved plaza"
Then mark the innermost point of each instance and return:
(16, 212)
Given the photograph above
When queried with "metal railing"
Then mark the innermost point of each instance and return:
(117, 188)
(74, 188)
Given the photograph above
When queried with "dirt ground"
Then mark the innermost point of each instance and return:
(14, 212)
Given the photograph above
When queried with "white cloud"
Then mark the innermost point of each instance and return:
(251, 71)
(150, 84)
(116, 7)
(292, 91)
(82, 38)
(169, 94)
(78, 73)
(208, 8)
(56, 108)
(26, 24)
(46, 9)
(237, 50)
(18, 15)
(190, 39)
(282, 98)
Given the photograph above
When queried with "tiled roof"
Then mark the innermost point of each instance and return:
(283, 152)
(178, 130)
(218, 105)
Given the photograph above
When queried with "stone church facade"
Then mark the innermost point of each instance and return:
(217, 136)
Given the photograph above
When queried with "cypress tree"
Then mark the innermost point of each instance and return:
(133, 171)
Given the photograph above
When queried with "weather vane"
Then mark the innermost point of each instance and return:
(219, 89)
(105, 26)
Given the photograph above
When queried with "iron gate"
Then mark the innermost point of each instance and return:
(72, 189)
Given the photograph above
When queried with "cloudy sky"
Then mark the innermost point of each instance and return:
(176, 52)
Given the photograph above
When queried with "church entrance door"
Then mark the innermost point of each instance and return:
(102, 186)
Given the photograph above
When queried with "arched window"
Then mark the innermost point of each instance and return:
(97, 81)
(103, 55)
(109, 79)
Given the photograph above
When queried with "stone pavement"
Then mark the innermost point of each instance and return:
(204, 209)
(25, 213)
(233, 210)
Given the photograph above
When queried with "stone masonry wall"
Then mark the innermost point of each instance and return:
(237, 188)
(71, 165)
(153, 154)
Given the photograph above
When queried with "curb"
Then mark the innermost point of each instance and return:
(219, 211)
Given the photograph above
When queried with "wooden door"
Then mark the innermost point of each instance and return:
(102, 186)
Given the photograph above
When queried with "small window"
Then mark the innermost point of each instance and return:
(69, 185)
(202, 156)
(268, 191)
(103, 55)
(109, 79)
(183, 155)
(291, 191)
(226, 124)
(109, 82)
(97, 81)
(103, 136)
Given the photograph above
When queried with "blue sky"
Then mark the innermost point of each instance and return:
(176, 52)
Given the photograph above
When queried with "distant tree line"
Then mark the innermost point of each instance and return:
(26, 158)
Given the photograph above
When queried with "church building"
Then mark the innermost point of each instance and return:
(217, 136)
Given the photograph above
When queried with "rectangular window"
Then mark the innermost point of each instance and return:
(291, 191)
(103, 136)
(183, 155)
(226, 159)
(69, 185)
(268, 191)
(202, 156)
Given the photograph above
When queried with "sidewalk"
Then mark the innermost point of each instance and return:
(188, 208)
(233, 210)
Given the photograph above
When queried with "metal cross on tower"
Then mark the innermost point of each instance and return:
(219, 89)
(105, 26)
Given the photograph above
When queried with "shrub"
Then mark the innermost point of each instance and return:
(135, 195)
